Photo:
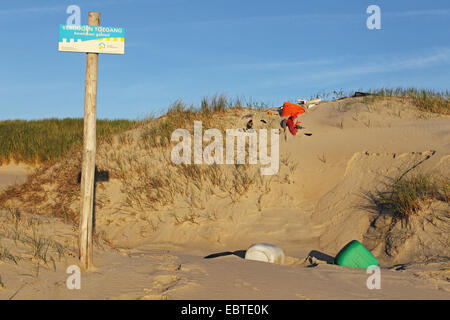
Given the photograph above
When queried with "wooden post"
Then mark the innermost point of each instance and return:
(89, 150)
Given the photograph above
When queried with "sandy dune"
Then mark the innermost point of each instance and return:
(154, 247)
(13, 174)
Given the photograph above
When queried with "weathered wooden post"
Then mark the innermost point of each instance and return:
(89, 151)
(93, 40)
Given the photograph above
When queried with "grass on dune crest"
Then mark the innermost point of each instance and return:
(43, 141)
(180, 114)
(39, 141)
(423, 99)
(427, 100)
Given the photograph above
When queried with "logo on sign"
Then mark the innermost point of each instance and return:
(95, 39)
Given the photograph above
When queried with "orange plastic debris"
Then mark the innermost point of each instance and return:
(292, 109)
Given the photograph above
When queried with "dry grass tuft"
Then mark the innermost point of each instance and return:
(406, 197)
(22, 240)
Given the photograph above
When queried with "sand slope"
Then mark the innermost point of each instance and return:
(13, 174)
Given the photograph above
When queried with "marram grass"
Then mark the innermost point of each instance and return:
(39, 141)
(423, 99)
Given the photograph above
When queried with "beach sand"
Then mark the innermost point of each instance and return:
(13, 174)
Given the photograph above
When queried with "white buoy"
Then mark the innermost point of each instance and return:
(265, 252)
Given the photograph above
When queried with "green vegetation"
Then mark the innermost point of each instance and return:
(215, 104)
(23, 234)
(407, 196)
(6, 255)
(179, 115)
(40, 141)
(423, 99)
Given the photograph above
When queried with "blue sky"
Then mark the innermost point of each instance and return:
(269, 51)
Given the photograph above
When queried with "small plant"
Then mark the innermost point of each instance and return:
(6, 255)
(406, 197)
(259, 202)
(39, 247)
(321, 95)
(322, 158)
(293, 167)
(339, 94)
(217, 103)
(241, 181)
(15, 214)
(370, 108)
(370, 99)
(285, 159)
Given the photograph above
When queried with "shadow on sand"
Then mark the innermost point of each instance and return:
(238, 253)
(100, 176)
(320, 256)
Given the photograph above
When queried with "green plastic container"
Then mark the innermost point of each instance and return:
(355, 255)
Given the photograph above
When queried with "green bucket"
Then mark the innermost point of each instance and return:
(355, 255)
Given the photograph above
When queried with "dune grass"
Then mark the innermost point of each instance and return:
(24, 234)
(179, 114)
(40, 141)
(5, 255)
(423, 99)
(406, 197)
(427, 100)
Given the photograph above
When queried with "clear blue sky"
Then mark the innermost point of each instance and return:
(271, 51)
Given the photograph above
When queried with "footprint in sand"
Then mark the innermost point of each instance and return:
(301, 296)
(170, 266)
(239, 283)
(161, 285)
(151, 296)
(165, 282)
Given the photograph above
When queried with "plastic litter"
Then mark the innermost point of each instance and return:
(355, 255)
(309, 104)
(361, 94)
(266, 253)
(292, 109)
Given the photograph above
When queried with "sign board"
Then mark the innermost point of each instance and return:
(94, 39)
